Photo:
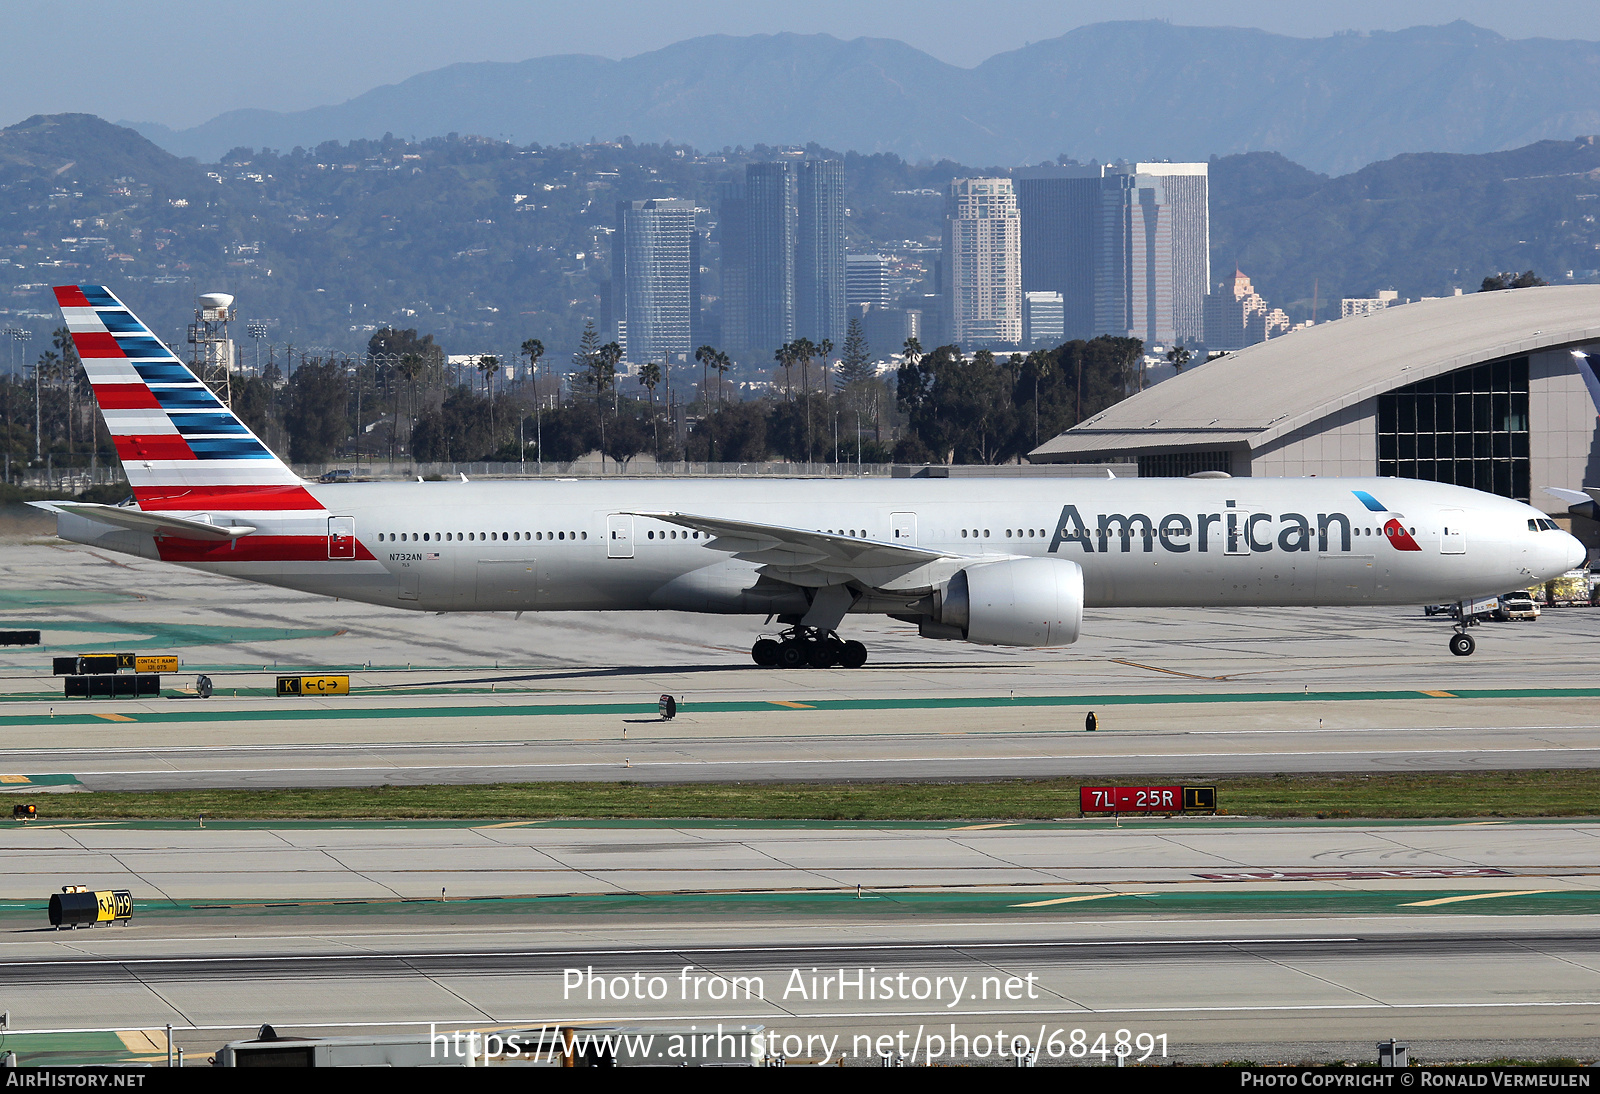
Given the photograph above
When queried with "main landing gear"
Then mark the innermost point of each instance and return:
(1461, 643)
(799, 646)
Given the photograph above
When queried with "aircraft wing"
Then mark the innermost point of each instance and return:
(794, 553)
(154, 524)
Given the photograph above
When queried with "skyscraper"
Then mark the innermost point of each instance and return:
(1060, 210)
(769, 257)
(656, 290)
(1042, 319)
(983, 263)
(1152, 257)
(733, 216)
(866, 280)
(819, 264)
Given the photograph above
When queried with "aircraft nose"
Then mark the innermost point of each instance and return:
(1577, 553)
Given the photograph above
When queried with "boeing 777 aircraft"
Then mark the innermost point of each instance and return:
(1009, 562)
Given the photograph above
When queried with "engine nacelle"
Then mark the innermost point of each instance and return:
(1017, 602)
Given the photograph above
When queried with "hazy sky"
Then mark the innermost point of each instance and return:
(181, 62)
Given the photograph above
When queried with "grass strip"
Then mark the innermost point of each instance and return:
(1488, 794)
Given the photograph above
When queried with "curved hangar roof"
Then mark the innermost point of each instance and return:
(1255, 395)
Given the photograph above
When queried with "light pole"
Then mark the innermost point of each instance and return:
(258, 331)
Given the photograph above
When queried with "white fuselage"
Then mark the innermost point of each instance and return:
(573, 545)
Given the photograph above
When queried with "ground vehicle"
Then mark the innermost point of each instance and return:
(1516, 605)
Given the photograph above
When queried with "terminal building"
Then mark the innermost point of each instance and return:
(1481, 390)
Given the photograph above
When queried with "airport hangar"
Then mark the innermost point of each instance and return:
(1479, 390)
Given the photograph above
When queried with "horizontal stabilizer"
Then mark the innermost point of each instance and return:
(153, 524)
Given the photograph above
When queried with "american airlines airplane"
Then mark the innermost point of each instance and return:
(1005, 562)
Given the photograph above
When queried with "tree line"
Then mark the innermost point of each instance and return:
(401, 402)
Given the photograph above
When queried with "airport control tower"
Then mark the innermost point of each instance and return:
(211, 350)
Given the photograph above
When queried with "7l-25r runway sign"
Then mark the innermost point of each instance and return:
(1147, 799)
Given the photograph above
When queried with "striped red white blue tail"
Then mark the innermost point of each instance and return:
(180, 447)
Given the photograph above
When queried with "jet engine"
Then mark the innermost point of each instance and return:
(1017, 602)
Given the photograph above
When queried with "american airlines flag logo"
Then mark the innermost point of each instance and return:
(432, 554)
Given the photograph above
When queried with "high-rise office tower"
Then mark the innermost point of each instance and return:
(769, 257)
(1153, 252)
(1043, 319)
(1060, 210)
(866, 281)
(983, 263)
(819, 263)
(656, 284)
(733, 215)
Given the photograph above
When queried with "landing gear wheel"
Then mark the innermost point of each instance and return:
(853, 655)
(791, 655)
(1462, 645)
(821, 654)
(765, 653)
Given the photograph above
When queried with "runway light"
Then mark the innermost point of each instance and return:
(24, 812)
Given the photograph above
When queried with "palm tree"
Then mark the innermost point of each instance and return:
(410, 367)
(784, 355)
(606, 359)
(649, 377)
(805, 349)
(824, 348)
(67, 368)
(707, 356)
(533, 349)
(46, 366)
(489, 365)
(1179, 356)
(912, 351)
(722, 363)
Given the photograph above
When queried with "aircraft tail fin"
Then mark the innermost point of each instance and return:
(180, 447)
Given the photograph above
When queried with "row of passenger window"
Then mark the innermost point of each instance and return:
(1011, 533)
(470, 537)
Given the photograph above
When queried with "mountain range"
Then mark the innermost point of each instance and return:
(1146, 90)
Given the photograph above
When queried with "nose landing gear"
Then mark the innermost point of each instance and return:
(1461, 643)
(798, 647)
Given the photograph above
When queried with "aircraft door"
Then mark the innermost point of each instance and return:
(903, 529)
(341, 537)
(1236, 540)
(619, 535)
(1454, 539)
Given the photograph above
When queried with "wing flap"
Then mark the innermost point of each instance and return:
(799, 552)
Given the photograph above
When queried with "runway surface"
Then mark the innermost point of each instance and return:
(492, 698)
(391, 861)
(1236, 940)
(1295, 942)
